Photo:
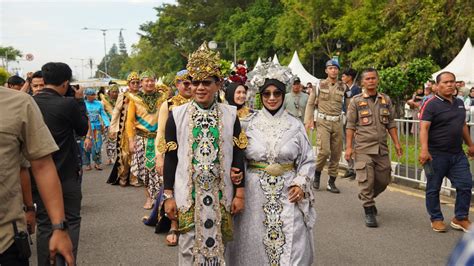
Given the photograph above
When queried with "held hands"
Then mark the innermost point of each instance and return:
(171, 209)
(424, 157)
(295, 194)
(236, 175)
(61, 243)
(238, 202)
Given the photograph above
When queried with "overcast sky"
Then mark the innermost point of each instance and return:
(52, 30)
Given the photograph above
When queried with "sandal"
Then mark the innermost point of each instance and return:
(98, 167)
(173, 233)
(88, 168)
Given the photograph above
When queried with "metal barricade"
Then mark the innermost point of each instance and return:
(406, 168)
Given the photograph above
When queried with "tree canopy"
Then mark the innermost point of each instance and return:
(373, 33)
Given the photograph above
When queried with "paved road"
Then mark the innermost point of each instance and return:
(112, 232)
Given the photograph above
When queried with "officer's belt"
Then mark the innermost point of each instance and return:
(274, 169)
(145, 134)
(333, 118)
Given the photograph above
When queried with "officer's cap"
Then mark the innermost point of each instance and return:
(332, 63)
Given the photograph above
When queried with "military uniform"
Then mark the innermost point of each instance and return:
(328, 124)
(371, 119)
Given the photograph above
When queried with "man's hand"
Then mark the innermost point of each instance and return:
(30, 221)
(309, 125)
(131, 146)
(171, 209)
(236, 175)
(87, 144)
(295, 194)
(348, 153)
(78, 93)
(238, 205)
(399, 150)
(470, 151)
(159, 162)
(61, 243)
(424, 157)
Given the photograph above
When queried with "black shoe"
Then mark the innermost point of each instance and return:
(350, 173)
(332, 185)
(370, 220)
(375, 211)
(317, 178)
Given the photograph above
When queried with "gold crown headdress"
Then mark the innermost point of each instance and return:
(132, 76)
(147, 74)
(204, 63)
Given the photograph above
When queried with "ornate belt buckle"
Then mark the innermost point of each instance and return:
(275, 169)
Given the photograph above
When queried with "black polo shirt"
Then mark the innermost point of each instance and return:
(64, 116)
(447, 122)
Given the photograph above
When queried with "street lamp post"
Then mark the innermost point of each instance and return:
(82, 65)
(213, 46)
(104, 32)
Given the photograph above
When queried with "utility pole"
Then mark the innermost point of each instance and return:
(104, 32)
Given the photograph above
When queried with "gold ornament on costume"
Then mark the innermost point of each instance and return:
(132, 76)
(177, 101)
(204, 63)
(243, 112)
(242, 141)
(163, 146)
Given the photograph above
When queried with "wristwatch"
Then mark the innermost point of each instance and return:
(31, 208)
(63, 225)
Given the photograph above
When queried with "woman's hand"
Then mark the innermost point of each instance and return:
(238, 205)
(295, 194)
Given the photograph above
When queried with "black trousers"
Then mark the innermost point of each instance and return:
(72, 196)
(10, 257)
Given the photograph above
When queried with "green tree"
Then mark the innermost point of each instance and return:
(122, 46)
(114, 63)
(4, 75)
(8, 53)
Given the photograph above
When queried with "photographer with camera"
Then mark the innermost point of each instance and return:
(65, 117)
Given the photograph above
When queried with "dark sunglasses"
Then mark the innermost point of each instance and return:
(276, 94)
(135, 82)
(205, 83)
(185, 82)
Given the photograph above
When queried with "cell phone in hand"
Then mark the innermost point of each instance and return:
(428, 167)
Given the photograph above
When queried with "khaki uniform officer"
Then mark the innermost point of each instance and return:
(328, 99)
(370, 116)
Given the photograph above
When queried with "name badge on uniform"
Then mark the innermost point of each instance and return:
(362, 103)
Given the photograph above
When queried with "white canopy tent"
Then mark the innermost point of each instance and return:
(462, 65)
(298, 69)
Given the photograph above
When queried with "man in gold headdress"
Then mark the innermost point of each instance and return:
(141, 126)
(204, 142)
(121, 171)
(108, 101)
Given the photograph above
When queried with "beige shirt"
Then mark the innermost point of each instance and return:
(328, 99)
(22, 133)
(371, 120)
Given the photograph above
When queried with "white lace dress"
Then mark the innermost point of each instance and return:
(271, 230)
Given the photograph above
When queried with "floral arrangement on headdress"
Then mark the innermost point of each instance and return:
(239, 73)
(132, 76)
(268, 70)
(204, 63)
